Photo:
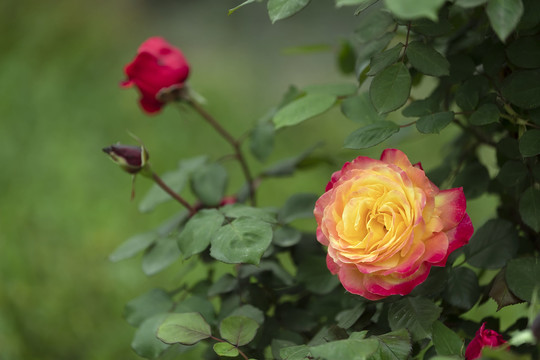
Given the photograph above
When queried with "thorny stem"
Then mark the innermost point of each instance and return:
(170, 191)
(232, 141)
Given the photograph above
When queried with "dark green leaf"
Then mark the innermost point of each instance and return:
(395, 345)
(382, 60)
(145, 343)
(529, 208)
(185, 328)
(470, 3)
(501, 293)
(298, 206)
(281, 9)
(340, 3)
(462, 289)
(161, 255)
(525, 52)
(445, 340)
(434, 123)
(474, 179)
(504, 16)
(199, 230)
(346, 349)
(390, 88)
(492, 245)
(371, 135)
(359, 108)
(225, 349)
(251, 312)
(486, 114)
(529, 143)
(242, 241)
(343, 89)
(427, 60)
(299, 352)
(432, 28)
(346, 57)
(467, 96)
(289, 166)
(313, 273)
(197, 304)
(512, 173)
(133, 245)
(346, 318)
(238, 330)
(461, 67)
(522, 88)
(209, 183)
(523, 277)
(364, 4)
(262, 140)
(415, 314)
(153, 302)
(302, 109)
(286, 236)
(421, 107)
(414, 9)
(531, 15)
(223, 285)
(373, 26)
(240, 210)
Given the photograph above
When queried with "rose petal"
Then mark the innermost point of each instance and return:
(452, 205)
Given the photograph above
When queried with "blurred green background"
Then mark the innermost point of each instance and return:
(65, 207)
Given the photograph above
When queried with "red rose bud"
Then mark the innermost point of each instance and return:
(159, 71)
(130, 158)
(483, 338)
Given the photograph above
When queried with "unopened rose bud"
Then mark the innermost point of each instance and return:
(130, 158)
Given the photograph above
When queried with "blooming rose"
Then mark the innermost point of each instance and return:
(484, 337)
(386, 225)
(157, 66)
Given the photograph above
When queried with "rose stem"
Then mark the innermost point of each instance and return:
(234, 143)
(170, 191)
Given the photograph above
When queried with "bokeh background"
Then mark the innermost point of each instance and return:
(64, 207)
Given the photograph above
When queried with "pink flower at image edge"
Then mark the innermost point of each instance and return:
(157, 65)
(386, 224)
(483, 338)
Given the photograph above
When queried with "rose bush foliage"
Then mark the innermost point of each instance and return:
(414, 280)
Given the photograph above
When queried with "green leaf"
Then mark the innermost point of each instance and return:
(249, 311)
(242, 241)
(176, 180)
(486, 114)
(504, 16)
(346, 349)
(346, 318)
(314, 274)
(360, 109)
(390, 88)
(522, 88)
(225, 349)
(445, 340)
(525, 52)
(340, 3)
(467, 96)
(462, 289)
(415, 314)
(199, 230)
(145, 343)
(299, 352)
(427, 60)
(289, 166)
(531, 15)
(342, 89)
(474, 179)
(185, 328)
(161, 255)
(382, 60)
(512, 173)
(209, 183)
(371, 135)
(529, 208)
(238, 330)
(241, 5)
(523, 277)
(492, 245)
(281, 9)
(373, 26)
(422, 107)
(302, 109)
(370, 48)
(298, 206)
(346, 57)
(262, 140)
(501, 293)
(395, 345)
(363, 6)
(414, 9)
(223, 285)
(197, 304)
(434, 123)
(133, 245)
(286, 236)
(529, 143)
(470, 3)
(241, 210)
(153, 302)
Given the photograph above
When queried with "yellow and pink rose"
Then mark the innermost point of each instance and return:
(386, 224)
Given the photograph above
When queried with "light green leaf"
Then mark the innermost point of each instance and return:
(199, 230)
(470, 3)
(390, 88)
(415, 314)
(161, 255)
(395, 345)
(145, 343)
(209, 183)
(343, 89)
(298, 206)
(238, 330)
(445, 340)
(281, 9)
(249, 311)
(340, 3)
(427, 60)
(529, 143)
(523, 277)
(299, 352)
(133, 245)
(153, 302)
(261, 141)
(504, 16)
(529, 208)
(241, 5)
(486, 114)
(414, 9)
(346, 318)
(373, 26)
(302, 109)
(371, 135)
(244, 240)
(225, 349)
(185, 328)
(241, 210)
(346, 349)
(434, 123)
(492, 245)
(223, 285)
(359, 108)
